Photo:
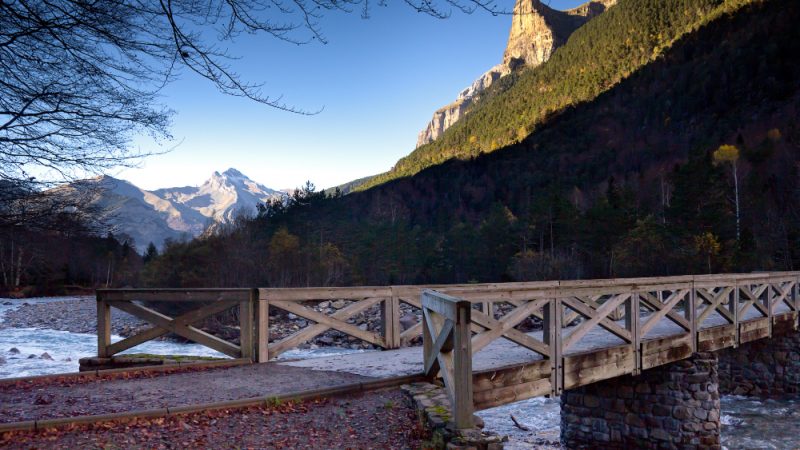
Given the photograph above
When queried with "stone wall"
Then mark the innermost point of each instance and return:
(672, 406)
(767, 367)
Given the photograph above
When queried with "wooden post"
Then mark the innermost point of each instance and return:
(734, 309)
(246, 327)
(488, 309)
(768, 299)
(390, 320)
(103, 327)
(552, 313)
(691, 316)
(427, 338)
(262, 327)
(462, 363)
(632, 325)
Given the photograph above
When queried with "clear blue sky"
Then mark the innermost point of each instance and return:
(379, 80)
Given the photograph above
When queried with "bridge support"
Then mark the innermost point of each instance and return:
(671, 406)
(767, 367)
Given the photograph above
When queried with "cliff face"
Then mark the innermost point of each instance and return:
(536, 31)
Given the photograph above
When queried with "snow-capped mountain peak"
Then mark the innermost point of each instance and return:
(153, 216)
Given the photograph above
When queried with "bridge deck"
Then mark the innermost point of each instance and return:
(69, 399)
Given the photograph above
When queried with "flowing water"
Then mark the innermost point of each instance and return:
(747, 423)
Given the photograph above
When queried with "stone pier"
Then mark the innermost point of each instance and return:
(672, 406)
(766, 368)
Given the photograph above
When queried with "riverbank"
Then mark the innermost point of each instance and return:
(71, 314)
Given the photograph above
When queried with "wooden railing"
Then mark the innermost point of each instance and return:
(198, 305)
(625, 326)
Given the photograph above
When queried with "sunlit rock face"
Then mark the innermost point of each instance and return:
(536, 32)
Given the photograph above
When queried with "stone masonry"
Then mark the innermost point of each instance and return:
(673, 406)
(767, 367)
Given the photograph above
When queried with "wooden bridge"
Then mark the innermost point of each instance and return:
(592, 330)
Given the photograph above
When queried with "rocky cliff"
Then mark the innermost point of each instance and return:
(536, 32)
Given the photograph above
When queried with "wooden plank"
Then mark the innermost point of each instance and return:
(593, 366)
(596, 318)
(394, 307)
(633, 325)
(330, 321)
(755, 329)
(509, 394)
(657, 352)
(324, 293)
(177, 295)
(716, 338)
(103, 327)
(487, 380)
(187, 331)
(462, 360)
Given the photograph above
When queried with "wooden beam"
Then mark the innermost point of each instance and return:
(671, 302)
(596, 318)
(331, 321)
(187, 331)
(504, 327)
(154, 332)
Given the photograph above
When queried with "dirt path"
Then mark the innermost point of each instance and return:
(379, 420)
(186, 388)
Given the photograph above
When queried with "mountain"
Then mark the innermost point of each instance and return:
(536, 32)
(170, 213)
(619, 174)
(596, 57)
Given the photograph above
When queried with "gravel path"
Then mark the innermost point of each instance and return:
(73, 314)
(187, 388)
(379, 420)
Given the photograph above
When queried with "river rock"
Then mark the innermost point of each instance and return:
(339, 304)
(408, 321)
(292, 316)
(31, 356)
(7, 303)
(324, 305)
(46, 356)
(14, 351)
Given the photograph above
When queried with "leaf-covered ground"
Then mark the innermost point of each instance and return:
(140, 390)
(379, 420)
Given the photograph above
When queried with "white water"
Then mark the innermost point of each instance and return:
(67, 348)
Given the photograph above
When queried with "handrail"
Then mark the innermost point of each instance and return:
(388, 299)
(744, 307)
(203, 303)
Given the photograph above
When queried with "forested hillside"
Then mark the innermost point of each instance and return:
(641, 180)
(596, 57)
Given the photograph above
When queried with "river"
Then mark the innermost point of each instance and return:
(747, 423)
